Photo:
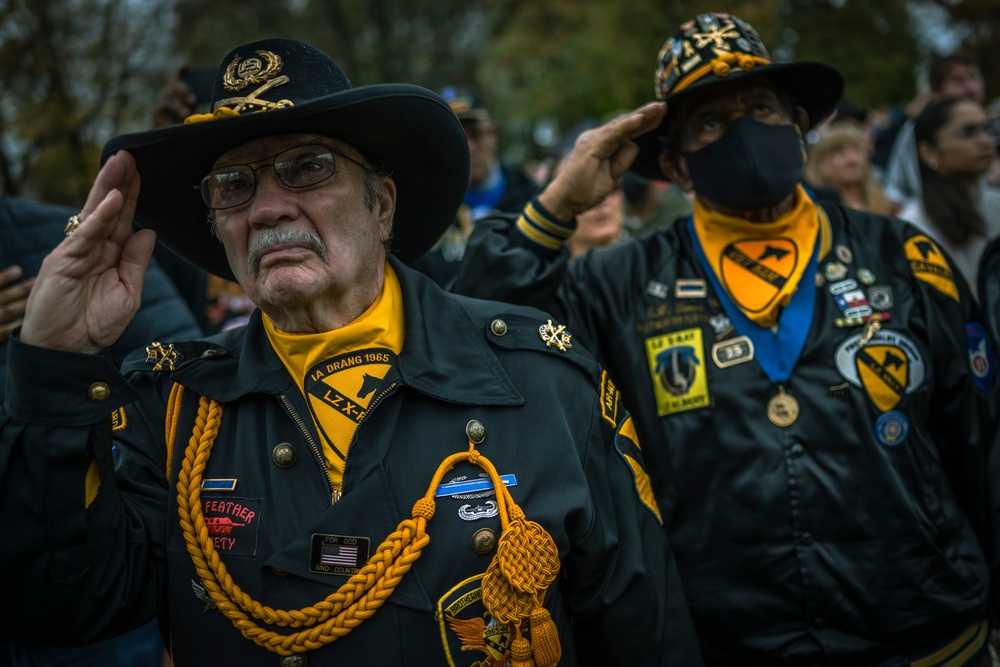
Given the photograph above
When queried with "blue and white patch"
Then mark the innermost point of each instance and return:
(891, 428)
(981, 360)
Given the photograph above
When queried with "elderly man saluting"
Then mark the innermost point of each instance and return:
(372, 471)
(811, 386)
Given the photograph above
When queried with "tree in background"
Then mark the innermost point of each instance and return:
(77, 72)
(72, 72)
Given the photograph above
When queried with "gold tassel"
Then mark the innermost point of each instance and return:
(544, 638)
(520, 652)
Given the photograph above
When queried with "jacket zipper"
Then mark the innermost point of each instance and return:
(368, 411)
(334, 493)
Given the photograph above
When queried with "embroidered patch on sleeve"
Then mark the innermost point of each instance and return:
(928, 264)
(677, 367)
(118, 419)
(627, 444)
(609, 399)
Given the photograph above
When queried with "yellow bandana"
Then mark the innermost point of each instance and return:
(339, 371)
(759, 264)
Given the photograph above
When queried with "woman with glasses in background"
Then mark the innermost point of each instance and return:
(957, 208)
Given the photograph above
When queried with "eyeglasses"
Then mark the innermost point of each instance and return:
(298, 167)
(969, 131)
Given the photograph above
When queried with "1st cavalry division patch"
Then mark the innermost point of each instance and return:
(887, 367)
(929, 265)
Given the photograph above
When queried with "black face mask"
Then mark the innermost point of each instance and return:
(752, 166)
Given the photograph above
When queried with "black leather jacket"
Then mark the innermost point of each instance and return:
(814, 543)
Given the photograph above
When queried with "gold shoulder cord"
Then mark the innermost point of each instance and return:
(525, 564)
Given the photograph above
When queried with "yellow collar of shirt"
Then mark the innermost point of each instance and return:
(760, 264)
(335, 370)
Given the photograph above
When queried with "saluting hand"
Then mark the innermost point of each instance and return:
(89, 287)
(599, 158)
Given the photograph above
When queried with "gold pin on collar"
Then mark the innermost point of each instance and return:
(158, 356)
(555, 335)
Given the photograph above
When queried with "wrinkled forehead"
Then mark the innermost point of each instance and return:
(269, 146)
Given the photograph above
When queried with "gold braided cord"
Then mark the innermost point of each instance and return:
(341, 611)
(721, 66)
(173, 416)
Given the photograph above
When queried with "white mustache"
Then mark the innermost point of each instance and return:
(280, 236)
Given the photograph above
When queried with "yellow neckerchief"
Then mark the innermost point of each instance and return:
(759, 264)
(339, 371)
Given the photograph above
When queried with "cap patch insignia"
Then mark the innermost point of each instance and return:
(555, 335)
(754, 271)
(677, 367)
(251, 72)
(887, 367)
(338, 554)
(928, 264)
(466, 626)
(158, 356)
(980, 356)
(627, 444)
(891, 428)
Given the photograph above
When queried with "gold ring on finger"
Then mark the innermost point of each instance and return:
(72, 225)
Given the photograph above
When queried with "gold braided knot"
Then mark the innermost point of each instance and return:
(526, 562)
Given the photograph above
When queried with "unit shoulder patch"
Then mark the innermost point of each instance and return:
(887, 367)
(928, 264)
(627, 445)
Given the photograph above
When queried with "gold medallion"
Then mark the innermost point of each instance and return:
(782, 409)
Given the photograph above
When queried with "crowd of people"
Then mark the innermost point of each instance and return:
(314, 376)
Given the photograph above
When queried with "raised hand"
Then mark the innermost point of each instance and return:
(600, 157)
(89, 287)
(13, 299)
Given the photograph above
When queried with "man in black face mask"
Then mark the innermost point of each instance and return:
(812, 394)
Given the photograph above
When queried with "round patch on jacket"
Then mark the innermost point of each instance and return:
(887, 367)
(980, 356)
(891, 428)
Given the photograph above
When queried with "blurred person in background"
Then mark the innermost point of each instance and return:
(955, 206)
(840, 161)
(953, 75)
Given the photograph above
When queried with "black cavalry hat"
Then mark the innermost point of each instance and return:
(716, 48)
(282, 86)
